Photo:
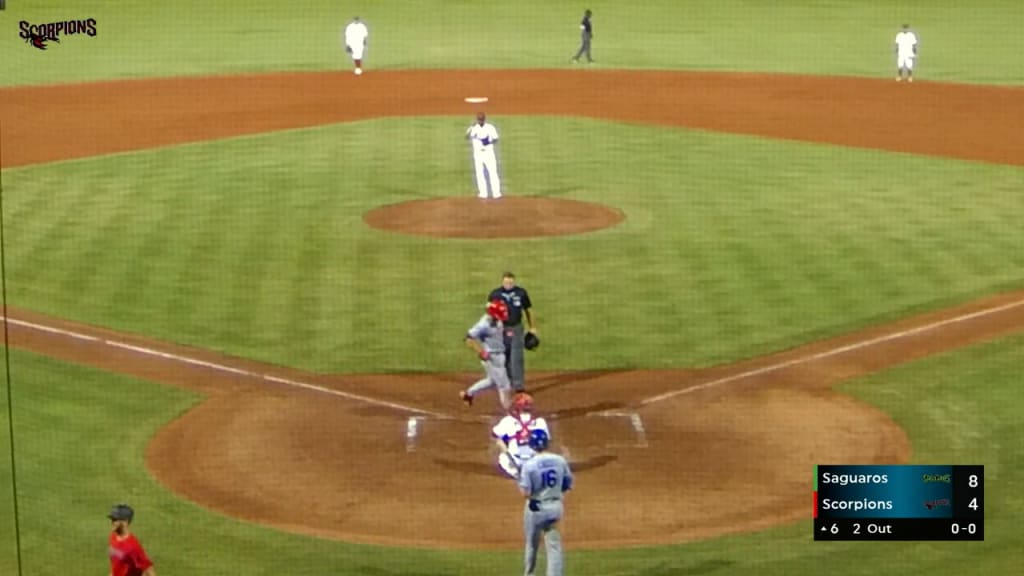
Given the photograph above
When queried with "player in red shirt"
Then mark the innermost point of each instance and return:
(127, 558)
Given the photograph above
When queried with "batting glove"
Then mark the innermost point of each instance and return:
(484, 354)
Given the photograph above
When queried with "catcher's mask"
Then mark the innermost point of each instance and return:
(539, 439)
(522, 402)
(498, 310)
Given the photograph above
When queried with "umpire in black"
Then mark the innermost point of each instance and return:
(518, 301)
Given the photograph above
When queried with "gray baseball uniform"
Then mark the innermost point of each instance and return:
(545, 477)
(490, 333)
(586, 35)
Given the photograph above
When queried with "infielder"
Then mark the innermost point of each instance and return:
(487, 338)
(482, 137)
(355, 37)
(512, 434)
(544, 480)
(906, 52)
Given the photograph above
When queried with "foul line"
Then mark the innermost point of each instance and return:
(223, 368)
(833, 352)
(409, 409)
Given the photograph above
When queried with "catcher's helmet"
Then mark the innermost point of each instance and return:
(497, 309)
(122, 512)
(522, 402)
(539, 439)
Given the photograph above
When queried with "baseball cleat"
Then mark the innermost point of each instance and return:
(359, 71)
(466, 398)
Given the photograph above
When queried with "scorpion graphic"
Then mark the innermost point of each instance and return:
(40, 41)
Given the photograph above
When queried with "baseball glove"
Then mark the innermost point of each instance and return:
(531, 341)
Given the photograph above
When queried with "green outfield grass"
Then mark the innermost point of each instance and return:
(976, 41)
(256, 246)
(81, 436)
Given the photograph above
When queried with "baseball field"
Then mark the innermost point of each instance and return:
(236, 279)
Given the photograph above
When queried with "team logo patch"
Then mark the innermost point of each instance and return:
(39, 35)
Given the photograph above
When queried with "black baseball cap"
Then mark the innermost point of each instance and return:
(121, 512)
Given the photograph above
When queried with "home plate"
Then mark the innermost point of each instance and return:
(476, 99)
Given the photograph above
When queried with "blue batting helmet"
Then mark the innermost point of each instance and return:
(539, 439)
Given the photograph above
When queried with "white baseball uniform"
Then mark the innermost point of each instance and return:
(514, 430)
(906, 42)
(356, 34)
(482, 138)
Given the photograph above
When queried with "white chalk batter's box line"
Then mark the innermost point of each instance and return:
(414, 428)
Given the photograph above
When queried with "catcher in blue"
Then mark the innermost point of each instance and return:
(486, 337)
(543, 481)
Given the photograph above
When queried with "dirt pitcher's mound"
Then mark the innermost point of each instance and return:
(507, 217)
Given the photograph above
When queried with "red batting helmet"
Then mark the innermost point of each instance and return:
(497, 309)
(522, 402)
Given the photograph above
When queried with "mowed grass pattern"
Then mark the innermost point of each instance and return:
(733, 246)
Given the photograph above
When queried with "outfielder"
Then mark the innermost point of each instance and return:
(586, 35)
(906, 52)
(482, 137)
(544, 480)
(512, 434)
(487, 338)
(356, 34)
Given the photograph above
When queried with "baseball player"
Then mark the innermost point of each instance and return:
(544, 480)
(586, 35)
(487, 338)
(512, 434)
(482, 137)
(906, 52)
(355, 37)
(127, 557)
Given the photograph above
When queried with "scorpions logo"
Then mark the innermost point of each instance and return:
(39, 34)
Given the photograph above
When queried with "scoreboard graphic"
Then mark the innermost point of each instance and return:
(905, 502)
